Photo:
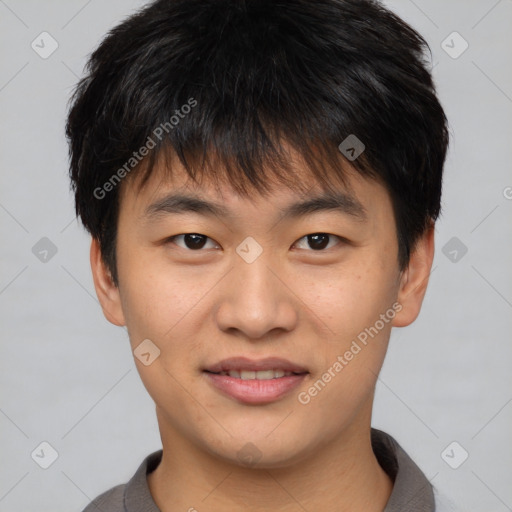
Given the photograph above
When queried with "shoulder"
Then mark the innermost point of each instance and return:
(109, 501)
(134, 496)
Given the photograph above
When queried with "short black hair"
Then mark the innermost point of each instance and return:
(229, 84)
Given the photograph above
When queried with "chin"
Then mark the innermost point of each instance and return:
(263, 453)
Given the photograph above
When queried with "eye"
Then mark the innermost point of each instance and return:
(317, 241)
(192, 241)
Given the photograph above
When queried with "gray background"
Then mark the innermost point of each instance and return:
(67, 375)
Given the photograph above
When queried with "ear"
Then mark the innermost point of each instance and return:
(106, 290)
(414, 279)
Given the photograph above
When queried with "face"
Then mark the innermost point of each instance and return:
(268, 317)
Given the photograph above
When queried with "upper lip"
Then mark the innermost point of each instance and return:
(244, 363)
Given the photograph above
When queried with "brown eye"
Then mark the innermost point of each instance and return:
(317, 241)
(192, 241)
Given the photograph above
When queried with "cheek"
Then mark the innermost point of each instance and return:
(353, 356)
(152, 298)
(360, 310)
(349, 298)
(164, 302)
(157, 301)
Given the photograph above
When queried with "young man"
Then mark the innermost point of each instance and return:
(261, 181)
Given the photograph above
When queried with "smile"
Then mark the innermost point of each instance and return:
(258, 375)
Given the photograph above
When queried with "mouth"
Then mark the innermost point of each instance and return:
(248, 367)
(256, 375)
(255, 382)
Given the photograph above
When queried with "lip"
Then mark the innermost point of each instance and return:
(254, 391)
(244, 363)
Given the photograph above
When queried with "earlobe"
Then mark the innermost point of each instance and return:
(106, 290)
(414, 279)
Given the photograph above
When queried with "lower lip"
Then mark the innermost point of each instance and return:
(254, 391)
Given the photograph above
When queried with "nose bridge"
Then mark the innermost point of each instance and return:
(254, 301)
(258, 283)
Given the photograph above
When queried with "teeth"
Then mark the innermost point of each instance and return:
(259, 375)
(265, 375)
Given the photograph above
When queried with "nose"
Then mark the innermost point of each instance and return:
(256, 300)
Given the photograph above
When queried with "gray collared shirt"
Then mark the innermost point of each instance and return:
(411, 490)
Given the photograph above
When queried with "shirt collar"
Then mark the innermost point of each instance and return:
(411, 489)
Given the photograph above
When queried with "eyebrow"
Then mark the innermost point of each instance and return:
(328, 201)
(178, 203)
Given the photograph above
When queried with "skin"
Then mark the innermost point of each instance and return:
(303, 305)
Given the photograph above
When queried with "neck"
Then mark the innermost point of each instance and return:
(342, 476)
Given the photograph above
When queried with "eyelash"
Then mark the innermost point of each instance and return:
(341, 240)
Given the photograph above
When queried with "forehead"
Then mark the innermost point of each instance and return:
(170, 189)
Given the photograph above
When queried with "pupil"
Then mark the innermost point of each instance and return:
(318, 241)
(194, 241)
